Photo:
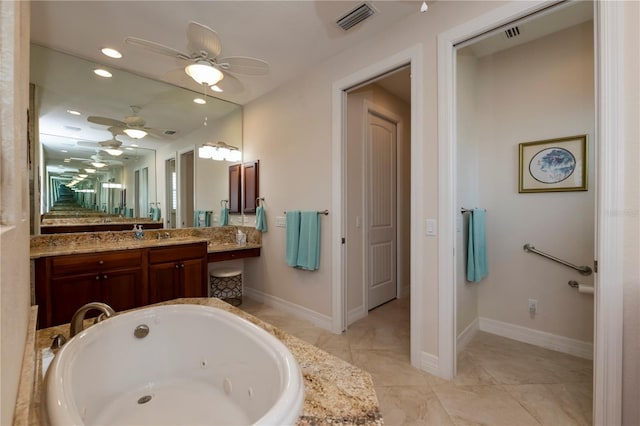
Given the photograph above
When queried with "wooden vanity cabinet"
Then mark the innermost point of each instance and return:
(65, 283)
(123, 279)
(178, 271)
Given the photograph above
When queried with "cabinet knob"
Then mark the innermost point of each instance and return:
(97, 277)
(182, 265)
(104, 276)
(101, 262)
(177, 265)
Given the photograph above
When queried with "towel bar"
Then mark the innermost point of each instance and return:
(584, 270)
(463, 210)
(324, 212)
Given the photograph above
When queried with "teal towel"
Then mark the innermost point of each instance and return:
(156, 214)
(477, 267)
(261, 219)
(309, 244)
(201, 218)
(224, 216)
(293, 237)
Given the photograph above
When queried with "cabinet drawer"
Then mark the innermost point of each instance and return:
(221, 256)
(80, 263)
(176, 253)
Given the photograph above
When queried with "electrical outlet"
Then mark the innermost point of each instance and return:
(533, 306)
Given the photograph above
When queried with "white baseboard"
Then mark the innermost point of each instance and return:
(317, 319)
(467, 334)
(430, 363)
(539, 338)
(355, 314)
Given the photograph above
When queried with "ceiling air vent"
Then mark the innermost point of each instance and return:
(355, 16)
(512, 32)
(169, 132)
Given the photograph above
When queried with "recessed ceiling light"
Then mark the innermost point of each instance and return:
(63, 150)
(128, 148)
(134, 145)
(73, 112)
(90, 170)
(112, 53)
(216, 89)
(102, 73)
(199, 101)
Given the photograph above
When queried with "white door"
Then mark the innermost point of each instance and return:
(381, 210)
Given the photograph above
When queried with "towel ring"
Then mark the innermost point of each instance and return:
(224, 203)
(258, 201)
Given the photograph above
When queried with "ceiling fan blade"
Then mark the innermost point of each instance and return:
(203, 39)
(87, 144)
(154, 47)
(230, 83)
(244, 65)
(105, 121)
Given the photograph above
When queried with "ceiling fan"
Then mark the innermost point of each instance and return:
(132, 126)
(98, 161)
(204, 65)
(110, 146)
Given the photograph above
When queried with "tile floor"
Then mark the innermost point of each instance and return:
(500, 381)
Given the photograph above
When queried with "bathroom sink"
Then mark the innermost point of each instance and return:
(195, 365)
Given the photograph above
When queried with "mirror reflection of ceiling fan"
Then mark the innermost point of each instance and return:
(132, 126)
(98, 161)
(204, 65)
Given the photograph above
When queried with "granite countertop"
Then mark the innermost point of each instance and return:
(217, 239)
(336, 392)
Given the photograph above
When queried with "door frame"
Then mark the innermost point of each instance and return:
(609, 62)
(412, 56)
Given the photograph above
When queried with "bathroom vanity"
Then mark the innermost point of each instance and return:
(114, 267)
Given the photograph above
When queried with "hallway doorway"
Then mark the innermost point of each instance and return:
(377, 191)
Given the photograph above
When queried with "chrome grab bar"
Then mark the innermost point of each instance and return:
(584, 270)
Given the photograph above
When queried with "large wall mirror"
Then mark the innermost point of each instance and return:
(81, 132)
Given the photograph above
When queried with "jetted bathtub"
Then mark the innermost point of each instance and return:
(196, 365)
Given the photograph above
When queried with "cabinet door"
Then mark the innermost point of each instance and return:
(164, 282)
(122, 289)
(70, 293)
(192, 279)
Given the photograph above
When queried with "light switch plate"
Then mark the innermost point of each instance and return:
(431, 227)
(281, 222)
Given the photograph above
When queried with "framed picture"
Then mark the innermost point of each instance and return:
(554, 165)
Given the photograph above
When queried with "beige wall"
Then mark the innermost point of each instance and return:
(536, 91)
(356, 119)
(631, 345)
(14, 225)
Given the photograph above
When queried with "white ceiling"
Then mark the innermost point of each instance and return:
(291, 36)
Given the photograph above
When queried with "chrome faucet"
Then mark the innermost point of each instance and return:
(77, 320)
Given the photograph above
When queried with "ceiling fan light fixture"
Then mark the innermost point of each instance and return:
(114, 151)
(98, 164)
(202, 72)
(90, 170)
(135, 133)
